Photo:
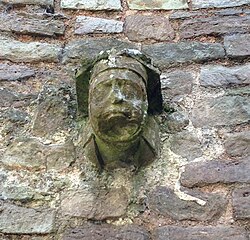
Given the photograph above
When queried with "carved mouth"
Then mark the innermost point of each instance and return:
(125, 115)
(119, 126)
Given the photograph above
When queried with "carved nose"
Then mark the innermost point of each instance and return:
(117, 96)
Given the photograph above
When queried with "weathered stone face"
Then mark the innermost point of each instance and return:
(118, 105)
(120, 109)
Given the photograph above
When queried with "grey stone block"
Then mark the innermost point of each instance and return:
(20, 220)
(16, 51)
(171, 54)
(196, 4)
(88, 49)
(176, 83)
(15, 72)
(33, 2)
(91, 4)
(237, 45)
(218, 76)
(85, 25)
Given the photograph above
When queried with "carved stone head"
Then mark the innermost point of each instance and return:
(120, 103)
(118, 99)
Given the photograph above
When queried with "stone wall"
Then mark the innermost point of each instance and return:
(199, 188)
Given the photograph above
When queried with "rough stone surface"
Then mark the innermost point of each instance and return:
(140, 28)
(215, 25)
(92, 4)
(184, 14)
(20, 220)
(85, 25)
(176, 83)
(238, 144)
(33, 2)
(15, 72)
(216, 171)
(105, 231)
(88, 49)
(15, 192)
(167, 54)
(225, 110)
(96, 204)
(7, 97)
(15, 115)
(229, 11)
(237, 45)
(31, 154)
(241, 203)
(198, 233)
(54, 100)
(186, 144)
(164, 201)
(16, 51)
(218, 4)
(31, 25)
(177, 121)
(45, 122)
(161, 4)
(217, 75)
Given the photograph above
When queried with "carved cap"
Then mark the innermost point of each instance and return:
(130, 59)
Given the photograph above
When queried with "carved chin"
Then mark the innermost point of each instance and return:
(119, 128)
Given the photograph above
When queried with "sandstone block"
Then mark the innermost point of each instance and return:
(186, 144)
(140, 28)
(105, 231)
(241, 203)
(221, 111)
(165, 202)
(31, 25)
(198, 233)
(216, 171)
(29, 153)
(160, 5)
(238, 144)
(216, 25)
(98, 205)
